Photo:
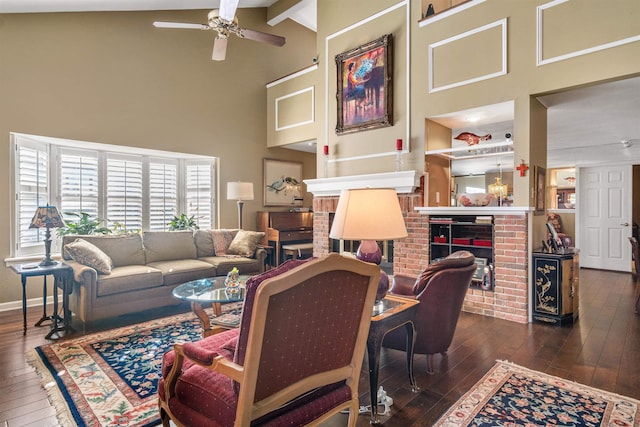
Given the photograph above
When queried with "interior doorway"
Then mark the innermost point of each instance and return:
(605, 220)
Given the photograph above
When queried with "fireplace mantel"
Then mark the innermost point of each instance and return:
(481, 210)
(403, 182)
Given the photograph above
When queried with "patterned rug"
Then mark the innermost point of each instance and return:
(510, 395)
(110, 378)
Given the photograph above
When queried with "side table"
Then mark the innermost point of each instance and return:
(389, 314)
(62, 275)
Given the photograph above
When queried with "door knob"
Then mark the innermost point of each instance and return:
(626, 224)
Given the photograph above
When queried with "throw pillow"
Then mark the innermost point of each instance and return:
(221, 240)
(245, 243)
(90, 255)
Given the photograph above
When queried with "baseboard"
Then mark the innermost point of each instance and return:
(31, 302)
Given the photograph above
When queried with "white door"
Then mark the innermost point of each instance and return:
(604, 211)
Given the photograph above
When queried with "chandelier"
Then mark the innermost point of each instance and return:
(498, 189)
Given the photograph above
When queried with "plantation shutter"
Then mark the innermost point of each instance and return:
(79, 183)
(32, 179)
(124, 192)
(199, 192)
(163, 193)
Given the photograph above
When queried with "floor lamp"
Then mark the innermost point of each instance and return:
(368, 215)
(240, 191)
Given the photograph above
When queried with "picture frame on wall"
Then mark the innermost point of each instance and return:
(282, 183)
(540, 177)
(364, 86)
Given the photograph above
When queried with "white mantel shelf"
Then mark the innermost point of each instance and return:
(402, 182)
(483, 210)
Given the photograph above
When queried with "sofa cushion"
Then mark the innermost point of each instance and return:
(90, 255)
(224, 264)
(175, 272)
(245, 243)
(204, 243)
(222, 238)
(128, 278)
(169, 245)
(123, 249)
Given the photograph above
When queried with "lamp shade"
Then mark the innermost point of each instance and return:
(46, 217)
(368, 214)
(238, 190)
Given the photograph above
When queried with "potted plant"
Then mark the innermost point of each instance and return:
(183, 222)
(83, 225)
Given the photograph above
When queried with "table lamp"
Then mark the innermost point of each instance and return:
(47, 217)
(368, 215)
(240, 191)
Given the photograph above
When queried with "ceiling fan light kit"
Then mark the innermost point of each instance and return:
(224, 22)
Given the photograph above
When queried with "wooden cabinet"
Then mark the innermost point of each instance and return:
(469, 233)
(555, 287)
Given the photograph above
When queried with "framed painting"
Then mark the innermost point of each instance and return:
(365, 90)
(282, 183)
(540, 176)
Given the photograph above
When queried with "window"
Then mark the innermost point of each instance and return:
(163, 193)
(32, 190)
(198, 191)
(124, 192)
(131, 189)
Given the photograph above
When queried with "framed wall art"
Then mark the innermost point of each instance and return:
(540, 176)
(282, 184)
(365, 90)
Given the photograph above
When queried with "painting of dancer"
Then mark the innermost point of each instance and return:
(364, 86)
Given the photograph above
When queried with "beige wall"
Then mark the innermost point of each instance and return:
(345, 25)
(114, 78)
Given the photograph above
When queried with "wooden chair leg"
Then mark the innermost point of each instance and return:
(430, 364)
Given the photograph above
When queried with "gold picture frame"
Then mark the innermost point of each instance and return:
(365, 89)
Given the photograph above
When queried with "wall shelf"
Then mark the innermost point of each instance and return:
(468, 233)
(474, 151)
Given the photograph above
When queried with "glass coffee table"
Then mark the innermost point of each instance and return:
(212, 291)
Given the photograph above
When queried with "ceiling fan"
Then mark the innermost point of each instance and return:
(224, 21)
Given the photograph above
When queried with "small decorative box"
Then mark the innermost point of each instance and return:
(480, 242)
(461, 241)
(440, 239)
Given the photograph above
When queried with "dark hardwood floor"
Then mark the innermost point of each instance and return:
(601, 350)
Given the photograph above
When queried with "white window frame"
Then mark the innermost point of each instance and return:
(55, 147)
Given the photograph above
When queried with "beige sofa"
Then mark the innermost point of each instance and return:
(139, 271)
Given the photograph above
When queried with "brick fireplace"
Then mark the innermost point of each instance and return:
(509, 299)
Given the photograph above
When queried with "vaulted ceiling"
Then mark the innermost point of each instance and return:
(586, 126)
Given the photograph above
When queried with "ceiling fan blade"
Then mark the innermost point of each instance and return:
(219, 49)
(228, 9)
(180, 25)
(262, 37)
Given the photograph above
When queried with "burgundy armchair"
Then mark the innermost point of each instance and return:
(441, 289)
(295, 359)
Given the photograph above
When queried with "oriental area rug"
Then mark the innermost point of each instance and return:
(110, 378)
(510, 395)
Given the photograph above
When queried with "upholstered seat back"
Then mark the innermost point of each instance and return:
(306, 319)
(251, 286)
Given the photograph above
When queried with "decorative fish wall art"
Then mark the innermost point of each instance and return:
(472, 138)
